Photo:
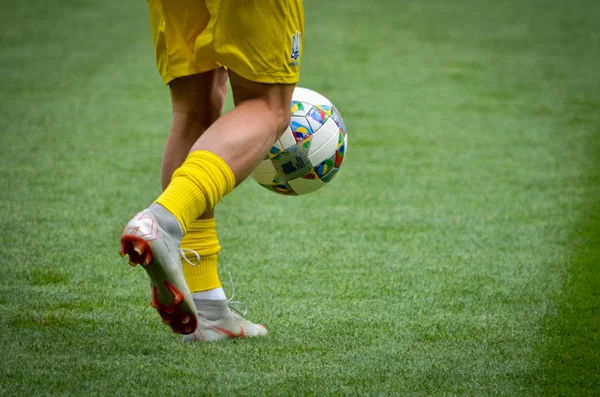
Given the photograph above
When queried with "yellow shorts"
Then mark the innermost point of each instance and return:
(261, 40)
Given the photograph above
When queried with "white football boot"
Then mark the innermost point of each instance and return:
(151, 239)
(216, 321)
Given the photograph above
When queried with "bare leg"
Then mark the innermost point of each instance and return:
(243, 136)
(197, 102)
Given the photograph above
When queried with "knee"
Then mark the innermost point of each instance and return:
(282, 116)
(279, 103)
(201, 114)
(276, 98)
(198, 100)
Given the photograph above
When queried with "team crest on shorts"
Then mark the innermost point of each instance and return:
(295, 55)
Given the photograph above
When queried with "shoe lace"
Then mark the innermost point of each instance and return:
(238, 307)
(182, 252)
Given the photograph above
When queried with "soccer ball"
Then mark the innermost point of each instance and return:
(311, 150)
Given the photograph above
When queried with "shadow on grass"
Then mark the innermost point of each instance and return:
(571, 351)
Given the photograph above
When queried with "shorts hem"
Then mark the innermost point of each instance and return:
(267, 78)
(172, 74)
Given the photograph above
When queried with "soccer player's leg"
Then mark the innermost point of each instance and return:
(260, 116)
(197, 102)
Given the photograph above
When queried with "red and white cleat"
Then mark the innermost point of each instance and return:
(147, 244)
(230, 326)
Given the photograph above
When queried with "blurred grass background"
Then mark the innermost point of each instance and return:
(457, 251)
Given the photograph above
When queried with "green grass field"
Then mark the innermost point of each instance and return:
(456, 253)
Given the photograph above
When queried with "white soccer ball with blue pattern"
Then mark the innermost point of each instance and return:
(311, 150)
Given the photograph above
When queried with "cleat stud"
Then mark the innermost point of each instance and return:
(146, 262)
(121, 253)
(177, 295)
(167, 320)
(154, 301)
(188, 330)
(177, 299)
(186, 319)
(137, 250)
(132, 264)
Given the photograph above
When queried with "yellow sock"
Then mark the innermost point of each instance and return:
(197, 186)
(202, 238)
